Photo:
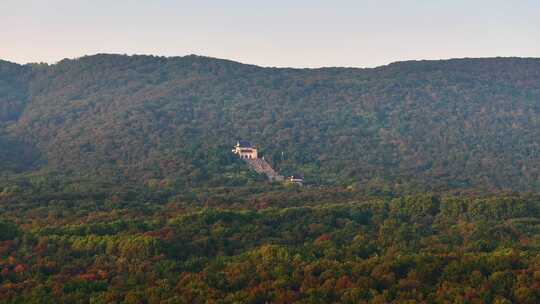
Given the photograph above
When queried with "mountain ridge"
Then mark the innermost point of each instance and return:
(196, 56)
(442, 124)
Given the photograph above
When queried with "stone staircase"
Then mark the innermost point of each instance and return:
(261, 166)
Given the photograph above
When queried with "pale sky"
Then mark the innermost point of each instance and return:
(295, 33)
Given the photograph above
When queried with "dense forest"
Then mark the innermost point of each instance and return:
(267, 245)
(118, 185)
(425, 125)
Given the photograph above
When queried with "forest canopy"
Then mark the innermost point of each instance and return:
(118, 185)
(282, 245)
(429, 125)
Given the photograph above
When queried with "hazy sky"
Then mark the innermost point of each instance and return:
(298, 33)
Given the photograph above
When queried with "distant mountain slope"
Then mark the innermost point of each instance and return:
(464, 123)
(14, 80)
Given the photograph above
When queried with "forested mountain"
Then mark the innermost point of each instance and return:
(118, 185)
(452, 124)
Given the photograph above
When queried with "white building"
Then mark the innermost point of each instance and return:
(244, 149)
(295, 179)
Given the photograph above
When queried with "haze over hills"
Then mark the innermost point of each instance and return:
(451, 124)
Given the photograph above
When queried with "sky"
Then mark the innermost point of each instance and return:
(293, 33)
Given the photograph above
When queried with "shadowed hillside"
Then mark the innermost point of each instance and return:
(467, 123)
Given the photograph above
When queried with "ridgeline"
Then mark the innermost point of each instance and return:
(423, 125)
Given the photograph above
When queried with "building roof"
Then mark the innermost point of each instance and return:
(244, 144)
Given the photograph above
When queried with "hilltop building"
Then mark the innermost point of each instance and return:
(245, 150)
